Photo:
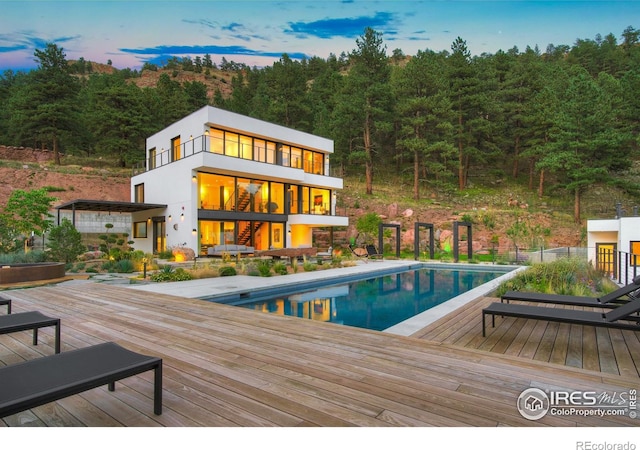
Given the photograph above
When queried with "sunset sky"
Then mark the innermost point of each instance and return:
(257, 32)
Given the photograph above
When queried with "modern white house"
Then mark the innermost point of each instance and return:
(218, 178)
(614, 246)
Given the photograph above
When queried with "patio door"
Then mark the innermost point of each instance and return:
(606, 258)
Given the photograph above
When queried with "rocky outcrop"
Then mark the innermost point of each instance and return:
(25, 154)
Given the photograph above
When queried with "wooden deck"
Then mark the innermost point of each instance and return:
(598, 349)
(227, 366)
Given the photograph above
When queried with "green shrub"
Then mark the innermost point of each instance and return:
(227, 271)
(251, 270)
(181, 275)
(108, 266)
(165, 254)
(280, 268)
(34, 256)
(168, 273)
(264, 267)
(65, 242)
(309, 267)
(124, 266)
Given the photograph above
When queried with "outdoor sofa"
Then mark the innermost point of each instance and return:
(230, 249)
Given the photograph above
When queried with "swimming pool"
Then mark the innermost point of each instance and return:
(376, 303)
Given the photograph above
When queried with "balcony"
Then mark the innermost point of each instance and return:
(233, 149)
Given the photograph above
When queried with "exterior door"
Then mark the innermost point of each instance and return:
(159, 235)
(606, 258)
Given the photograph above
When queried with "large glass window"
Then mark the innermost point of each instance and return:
(175, 149)
(216, 233)
(294, 197)
(230, 144)
(216, 192)
(152, 158)
(320, 199)
(276, 198)
(251, 233)
(246, 147)
(216, 141)
(278, 239)
(246, 190)
(284, 155)
(296, 157)
(140, 229)
(318, 163)
(306, 207)
(138, 193)
(271, 152)
(260, 150)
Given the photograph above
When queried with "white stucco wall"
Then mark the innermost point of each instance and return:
(619, 231)
(172, 184)
(199, 121)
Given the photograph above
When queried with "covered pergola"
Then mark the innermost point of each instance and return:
(105, 206)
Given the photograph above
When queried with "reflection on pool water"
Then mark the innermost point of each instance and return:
(376, 303)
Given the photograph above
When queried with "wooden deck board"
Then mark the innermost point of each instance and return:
(227, 366)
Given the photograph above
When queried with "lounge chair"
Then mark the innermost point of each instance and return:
(610, 300)
(43, 380)
(32, 320)
(7, 302)
(372, 252)
(358, 252)
(325, 255)
(624, 317)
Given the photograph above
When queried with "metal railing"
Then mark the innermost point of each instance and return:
(206, 143)
(620, 266)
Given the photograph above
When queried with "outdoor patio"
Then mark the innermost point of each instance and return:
(227, 366)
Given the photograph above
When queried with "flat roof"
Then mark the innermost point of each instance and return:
(107, 205)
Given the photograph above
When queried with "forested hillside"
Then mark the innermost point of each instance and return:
(555, 122)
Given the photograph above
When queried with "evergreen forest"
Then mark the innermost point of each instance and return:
(556, 120)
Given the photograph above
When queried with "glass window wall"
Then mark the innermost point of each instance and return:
(216, 141)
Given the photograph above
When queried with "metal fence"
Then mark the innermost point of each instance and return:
(620, 266)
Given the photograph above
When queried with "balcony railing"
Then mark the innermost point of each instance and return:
(206, 143)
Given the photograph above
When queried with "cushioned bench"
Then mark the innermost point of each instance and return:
(7, 302)
(50, 378)
(230, 249)
(32, 320)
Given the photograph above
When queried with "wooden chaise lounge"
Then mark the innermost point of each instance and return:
(32, 320)
(50, 378)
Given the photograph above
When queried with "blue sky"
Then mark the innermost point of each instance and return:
(257, 32)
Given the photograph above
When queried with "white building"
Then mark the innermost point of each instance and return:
(231, 179)
(614, 246)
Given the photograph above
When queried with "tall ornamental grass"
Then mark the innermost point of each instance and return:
(567, 276)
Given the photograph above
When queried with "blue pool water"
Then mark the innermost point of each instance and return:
(375, 303)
